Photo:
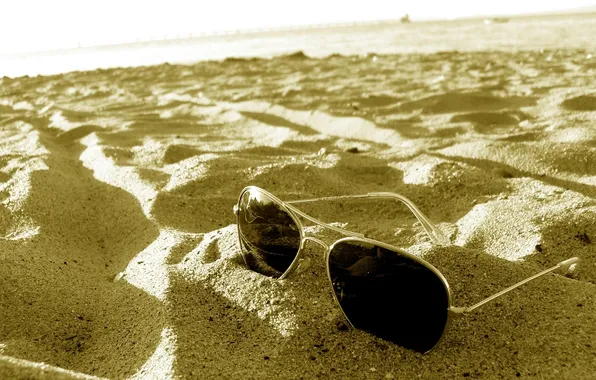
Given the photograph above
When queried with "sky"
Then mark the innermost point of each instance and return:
(37, 25)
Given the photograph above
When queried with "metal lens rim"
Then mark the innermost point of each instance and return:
(281, 205)
(401, 252)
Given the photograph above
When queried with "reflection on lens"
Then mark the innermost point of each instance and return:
(269, 236)
(389, 294)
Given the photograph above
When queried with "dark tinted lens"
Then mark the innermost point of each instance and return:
(269, 236)
(389, 294)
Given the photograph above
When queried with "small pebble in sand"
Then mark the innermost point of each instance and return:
(583, 238)
(342, 326)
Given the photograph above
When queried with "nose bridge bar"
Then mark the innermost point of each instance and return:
(315, 240)
(433, 232)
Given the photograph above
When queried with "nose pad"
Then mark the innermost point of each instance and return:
(303, 265)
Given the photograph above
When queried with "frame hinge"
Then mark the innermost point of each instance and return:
(458, 311)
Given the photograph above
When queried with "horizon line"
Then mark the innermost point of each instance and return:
(301, 27)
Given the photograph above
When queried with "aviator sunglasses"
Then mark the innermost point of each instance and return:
(380, 288)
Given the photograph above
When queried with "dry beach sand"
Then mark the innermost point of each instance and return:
(118, 250)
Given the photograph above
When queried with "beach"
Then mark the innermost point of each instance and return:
(119, 254)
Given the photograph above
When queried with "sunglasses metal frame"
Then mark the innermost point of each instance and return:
(434, 233)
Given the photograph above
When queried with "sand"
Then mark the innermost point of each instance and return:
(118, 246)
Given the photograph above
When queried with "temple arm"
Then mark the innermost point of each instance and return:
(315, 221)
(564, 267)
(321, 223)
(433, 232)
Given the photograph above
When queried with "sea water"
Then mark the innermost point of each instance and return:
(522, 33)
